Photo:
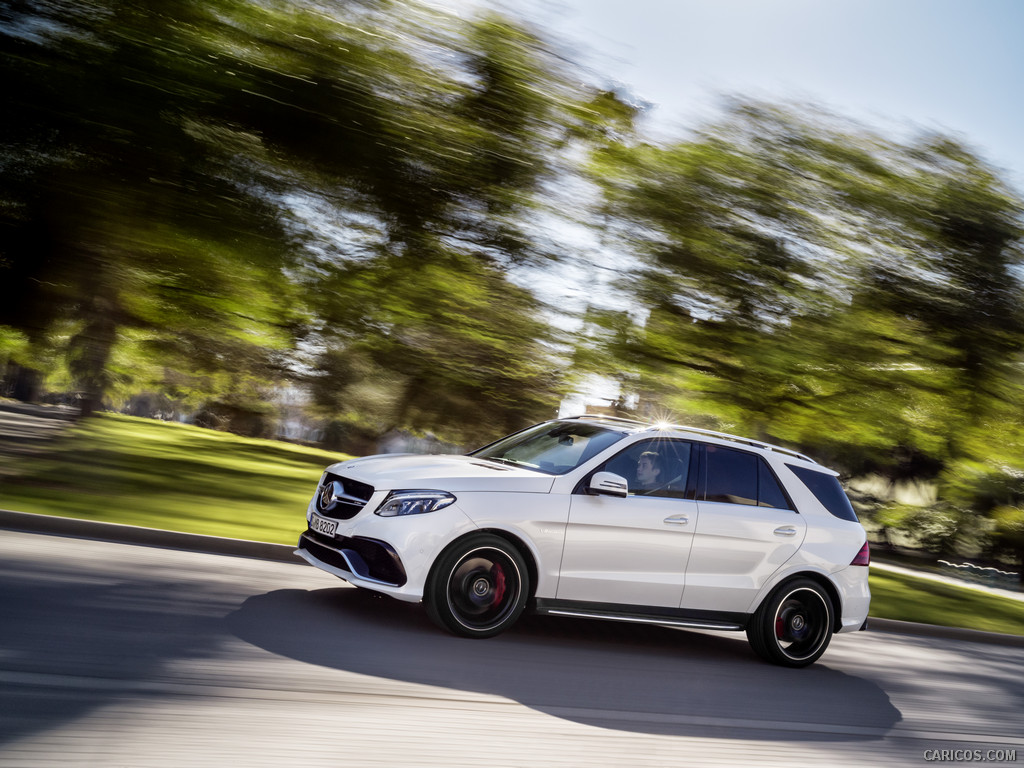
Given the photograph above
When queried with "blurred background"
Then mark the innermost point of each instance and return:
(377, 225)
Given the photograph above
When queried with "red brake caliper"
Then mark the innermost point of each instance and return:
(499, 583)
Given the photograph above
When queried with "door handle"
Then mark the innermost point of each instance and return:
(785, 530)
(678, 519)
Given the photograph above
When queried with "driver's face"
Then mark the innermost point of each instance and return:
(646, 472)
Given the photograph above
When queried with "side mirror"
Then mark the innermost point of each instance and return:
(609, 484)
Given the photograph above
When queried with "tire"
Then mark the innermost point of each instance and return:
(793, 626)
(478, 587)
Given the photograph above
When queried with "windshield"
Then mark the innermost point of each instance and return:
(555, 447)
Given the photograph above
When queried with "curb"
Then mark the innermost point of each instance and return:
(152, 537)
(896, 627)
(218, 545)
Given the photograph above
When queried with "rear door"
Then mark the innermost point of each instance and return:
(746, 530)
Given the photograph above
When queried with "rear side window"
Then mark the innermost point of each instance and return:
(827, 490)
(738, 477)
(731, 476)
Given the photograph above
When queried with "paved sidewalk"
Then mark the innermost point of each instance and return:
(27, 430)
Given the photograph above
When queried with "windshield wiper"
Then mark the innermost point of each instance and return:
(500, 460)
(511, 462)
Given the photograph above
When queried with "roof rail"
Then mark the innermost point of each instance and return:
(620, 419)
(736, 439)
(696, 430)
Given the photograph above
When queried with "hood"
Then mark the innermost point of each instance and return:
(393, 472)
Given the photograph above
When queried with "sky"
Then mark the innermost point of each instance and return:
(897, 65)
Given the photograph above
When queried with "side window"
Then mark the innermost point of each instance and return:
(826, 489)
(656, 467)
(731, 476)
(738, 477)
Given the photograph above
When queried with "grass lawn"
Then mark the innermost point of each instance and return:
(182, 478)
(898, 596)
(122, 469)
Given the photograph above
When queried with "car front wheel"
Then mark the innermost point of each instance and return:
(478, 587)
(793, 626)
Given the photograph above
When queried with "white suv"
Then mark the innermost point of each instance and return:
(604, 518)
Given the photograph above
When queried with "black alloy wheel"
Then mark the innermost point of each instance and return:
(793, 626)
(478, 587)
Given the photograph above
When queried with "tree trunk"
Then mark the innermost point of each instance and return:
(90, 354)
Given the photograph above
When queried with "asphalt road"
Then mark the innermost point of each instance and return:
(124, 655)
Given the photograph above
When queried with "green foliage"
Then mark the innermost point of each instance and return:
(805, 280)
(994, 491)
(136, 217)
(177, 168)
(461, 348)
(1008, 524)
(606, 118)
(895, 517)
(985, 485)
(726, 226)
(13, 344)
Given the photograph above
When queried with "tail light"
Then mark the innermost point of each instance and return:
(863, 557)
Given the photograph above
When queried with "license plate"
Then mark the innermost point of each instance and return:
(321, 525)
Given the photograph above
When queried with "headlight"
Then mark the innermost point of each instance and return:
(414, 503)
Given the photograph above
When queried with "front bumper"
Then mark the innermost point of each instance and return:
(360, 559)
(390, 555)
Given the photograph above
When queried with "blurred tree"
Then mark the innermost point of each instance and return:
(123, 207)
(940, 278)
(805, 279)
(975, 224)
(178, 171)
(462, 350)
(725, 226)
(437, 154)
(992, 490)
(1009, 534)
(942, 237)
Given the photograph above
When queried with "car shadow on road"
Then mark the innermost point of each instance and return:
(622, 676)
(69, 650)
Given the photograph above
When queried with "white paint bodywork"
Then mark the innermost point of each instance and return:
(736, 550)
(624, 550)
(640, 550)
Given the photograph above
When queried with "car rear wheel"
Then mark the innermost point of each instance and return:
(793, 626)
(478, 587)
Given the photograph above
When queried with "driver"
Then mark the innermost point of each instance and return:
(648, 471)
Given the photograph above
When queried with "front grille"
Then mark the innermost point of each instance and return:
(341, 498)
(369, 558)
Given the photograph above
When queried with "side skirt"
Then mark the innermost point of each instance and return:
(638, 614)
